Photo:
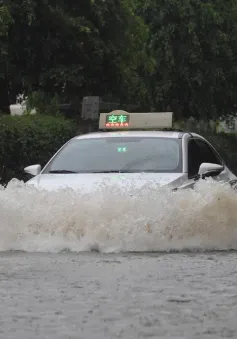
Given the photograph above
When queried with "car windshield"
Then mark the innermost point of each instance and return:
(118, 154)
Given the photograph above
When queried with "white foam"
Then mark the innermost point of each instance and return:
(153, 219)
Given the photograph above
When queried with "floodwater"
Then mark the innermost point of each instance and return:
(153, 265)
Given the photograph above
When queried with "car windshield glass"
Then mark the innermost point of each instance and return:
(118, 154)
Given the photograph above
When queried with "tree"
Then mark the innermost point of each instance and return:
(76, 49)
(195, 46)
(5, 22)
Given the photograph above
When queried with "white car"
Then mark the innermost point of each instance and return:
(134, 156)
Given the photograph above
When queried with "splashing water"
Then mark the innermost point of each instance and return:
(111, 220)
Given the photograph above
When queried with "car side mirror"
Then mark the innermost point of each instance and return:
(207, 169)
(33, 170)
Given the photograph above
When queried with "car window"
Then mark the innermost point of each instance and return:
(199, 152)
(131, 154)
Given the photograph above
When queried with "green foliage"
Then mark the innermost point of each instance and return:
(28, 140)
(5, 23)
(177, 55)
(77, 48)
(195, 46)
(43, 103)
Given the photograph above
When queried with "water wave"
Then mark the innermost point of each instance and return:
(118, 220)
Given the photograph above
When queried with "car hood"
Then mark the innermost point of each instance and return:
(90, 182)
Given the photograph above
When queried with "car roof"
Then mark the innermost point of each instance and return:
(154, 134)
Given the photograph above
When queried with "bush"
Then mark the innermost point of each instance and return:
(44, 103)
(30, 139)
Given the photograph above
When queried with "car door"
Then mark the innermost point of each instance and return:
(199, 151)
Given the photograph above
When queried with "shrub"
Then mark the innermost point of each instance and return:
(44, 103)
(30, 139)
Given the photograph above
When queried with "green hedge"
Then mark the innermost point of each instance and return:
(30, 139)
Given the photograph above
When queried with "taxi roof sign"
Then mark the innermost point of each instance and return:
(124, 120)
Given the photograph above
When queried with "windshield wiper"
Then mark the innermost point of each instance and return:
(62, 171)
(115, 171)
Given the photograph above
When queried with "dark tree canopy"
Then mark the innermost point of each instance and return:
(160, 54)
(195, 46)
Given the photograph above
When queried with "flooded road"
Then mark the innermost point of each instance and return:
(65, 271)
(93, 295)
